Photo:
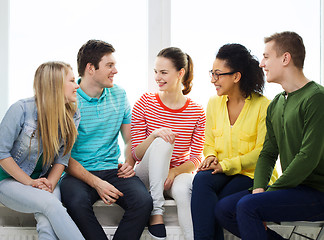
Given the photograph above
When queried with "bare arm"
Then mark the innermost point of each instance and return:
(186, 167)
(126, 170)
(49, 183)
(55, 174)
(11, 167)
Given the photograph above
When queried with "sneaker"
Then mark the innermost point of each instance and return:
(157, 231)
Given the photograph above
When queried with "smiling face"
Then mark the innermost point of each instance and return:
(166, 75)
(70, 87)
(225, 83)
(103, 77)
(271, 63)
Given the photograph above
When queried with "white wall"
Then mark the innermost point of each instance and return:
(159, 36)
(322, 40)
(4, 55)
(159, 33)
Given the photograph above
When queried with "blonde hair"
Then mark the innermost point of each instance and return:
(54, 116)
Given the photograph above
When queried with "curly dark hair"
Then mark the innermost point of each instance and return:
(92, 52)
(239, 59)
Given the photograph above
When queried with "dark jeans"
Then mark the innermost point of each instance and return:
(243, 213)
(207, 190)
(78, 197)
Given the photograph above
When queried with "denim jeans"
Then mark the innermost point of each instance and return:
(207, 190)
(243, 213)
(53, 222)
(78, 197)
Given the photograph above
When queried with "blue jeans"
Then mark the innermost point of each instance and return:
(243, 213)
(53, 222)
(207, 190)
(78, 197)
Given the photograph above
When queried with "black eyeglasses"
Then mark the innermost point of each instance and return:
(216, 75)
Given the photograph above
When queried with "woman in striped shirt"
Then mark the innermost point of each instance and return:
(167, 139)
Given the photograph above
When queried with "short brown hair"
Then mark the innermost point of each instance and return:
(289, 42)
(92, 52)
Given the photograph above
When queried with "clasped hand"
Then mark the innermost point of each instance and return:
(211, 162)
(42, 183)
(125, 170)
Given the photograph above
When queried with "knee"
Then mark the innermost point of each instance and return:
(200, 180)
(143, 201)
(148, 202)
(52, 205)
(75, 203)
(245, 205)
(162, 145)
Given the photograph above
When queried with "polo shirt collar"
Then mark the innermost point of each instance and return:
(90, 99)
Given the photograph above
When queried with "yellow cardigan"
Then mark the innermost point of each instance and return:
(237, 147)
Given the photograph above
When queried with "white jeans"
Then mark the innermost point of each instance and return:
(153, 171)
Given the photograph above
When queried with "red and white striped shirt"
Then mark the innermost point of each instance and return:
(149, 113)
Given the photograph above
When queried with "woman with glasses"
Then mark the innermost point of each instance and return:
(167, 139)
(36, 137)
(235, 131)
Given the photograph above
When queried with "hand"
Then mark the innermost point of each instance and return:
(107, 192)
(169, 181)
(125, 170)
(166, 134)
(257, 190)
(217, 168)
(207, 163)
(42, 183)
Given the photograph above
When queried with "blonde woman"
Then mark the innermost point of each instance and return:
(36, 137)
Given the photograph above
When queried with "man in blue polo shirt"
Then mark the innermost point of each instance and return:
(94, 172)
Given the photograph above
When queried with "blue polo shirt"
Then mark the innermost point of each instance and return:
(96, 147)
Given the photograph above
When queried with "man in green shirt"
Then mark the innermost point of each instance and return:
(295, 132)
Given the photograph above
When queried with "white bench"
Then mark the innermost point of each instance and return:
(20, 226)
(298, 229)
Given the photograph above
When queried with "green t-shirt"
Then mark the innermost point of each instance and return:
(36, 173)
(295, 131)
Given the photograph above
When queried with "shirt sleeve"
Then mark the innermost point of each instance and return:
(197, 140)
(77, 118)
(246, 161)
(128, 112)
(138, 124)
(311, 149)
(10, 128)
(268, 155)
(61, 158)
(209, 145)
